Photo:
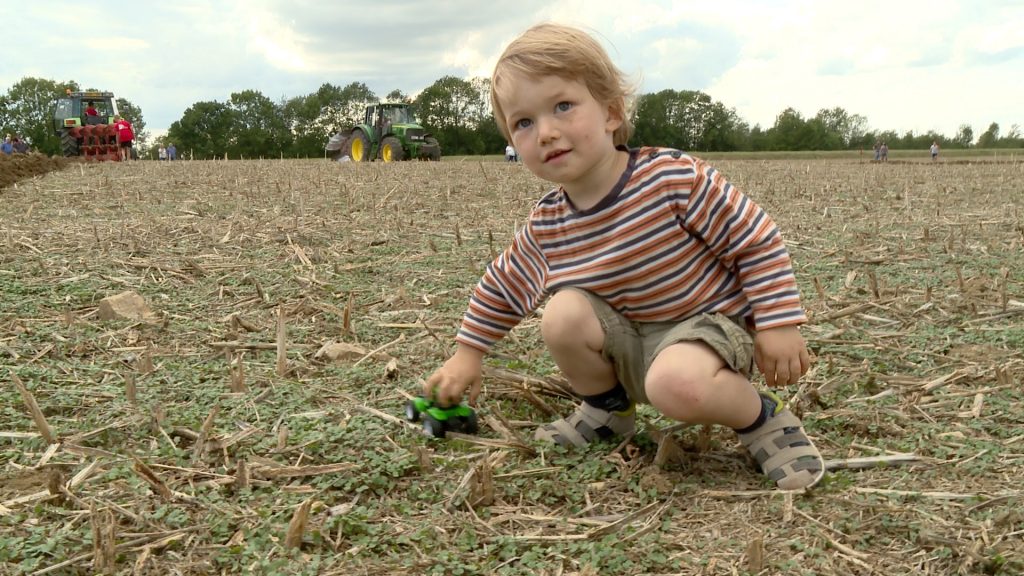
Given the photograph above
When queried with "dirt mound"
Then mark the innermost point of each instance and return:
(16, 167)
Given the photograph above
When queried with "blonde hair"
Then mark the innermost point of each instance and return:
(558, 50)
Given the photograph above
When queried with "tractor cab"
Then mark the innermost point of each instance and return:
(84, 122)
(389, 119)
(74, 110)
(389, 114)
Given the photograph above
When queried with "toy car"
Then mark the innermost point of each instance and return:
(439, 420)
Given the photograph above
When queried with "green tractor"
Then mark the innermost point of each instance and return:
(389, 132)
(84, 121)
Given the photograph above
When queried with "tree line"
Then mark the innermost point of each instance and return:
(457, 111)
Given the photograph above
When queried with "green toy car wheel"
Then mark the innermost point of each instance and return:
(469, 423)
(433, 427)
(412, 413)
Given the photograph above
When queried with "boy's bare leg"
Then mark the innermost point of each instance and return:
(689, 382)
(575, 339)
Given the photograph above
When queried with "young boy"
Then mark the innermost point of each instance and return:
(657, 269)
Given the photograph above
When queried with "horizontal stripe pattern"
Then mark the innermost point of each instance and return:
(674, 240)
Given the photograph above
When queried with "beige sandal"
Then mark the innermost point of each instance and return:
(588, 424)
(783, 451)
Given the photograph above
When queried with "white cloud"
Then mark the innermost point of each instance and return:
(276, 42)
(123, 43)
(467, 55)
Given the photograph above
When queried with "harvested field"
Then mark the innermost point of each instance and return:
(214, 436)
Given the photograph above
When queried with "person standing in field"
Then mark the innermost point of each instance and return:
(883, 152)
(161, 153)
(510, 153)
(125, 137)
(935, 150)
(172, 152)
(664, 284)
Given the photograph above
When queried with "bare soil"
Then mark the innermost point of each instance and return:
(17, 167)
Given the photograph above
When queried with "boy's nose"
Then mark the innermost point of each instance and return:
(547, 130)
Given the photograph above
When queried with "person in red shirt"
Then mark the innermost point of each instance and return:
(125, 136)
(90, 110)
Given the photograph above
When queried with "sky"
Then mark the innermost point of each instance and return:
(905, 65)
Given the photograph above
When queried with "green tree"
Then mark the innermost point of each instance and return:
(1013, 138)
(397, 95)
(964, 137)
(314, 118)
(888, 137)
(989, 138)
(299, 113)
(694, 114)
(453, 109)
(487, 136)
(653, 123)
(912, 141)
(724, 130)
(757, 140)
(258, 128)
(687, 120)
(203, 132)
(843, 129)
(27, 110)
(790, 131)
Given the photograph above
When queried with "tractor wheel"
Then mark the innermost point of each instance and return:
(391, 150)
(68, 145)
(358, 147)
(435, 150)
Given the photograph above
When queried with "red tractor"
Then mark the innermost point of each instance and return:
(85, 123)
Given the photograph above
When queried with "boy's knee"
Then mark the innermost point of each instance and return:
(677, 391)
(568, 318)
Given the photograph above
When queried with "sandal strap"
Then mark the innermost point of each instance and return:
(784, 452)
(767, 436)
(585, 425)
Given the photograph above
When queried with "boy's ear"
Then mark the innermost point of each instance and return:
(614, 117)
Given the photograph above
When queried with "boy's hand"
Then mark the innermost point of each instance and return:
(781, 355)
(449, 382)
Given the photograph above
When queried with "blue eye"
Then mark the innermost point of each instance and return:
(522, 123)
(563, 106)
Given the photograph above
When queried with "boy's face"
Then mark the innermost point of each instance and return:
(562, 134)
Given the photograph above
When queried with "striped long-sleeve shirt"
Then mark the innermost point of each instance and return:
(672, 240)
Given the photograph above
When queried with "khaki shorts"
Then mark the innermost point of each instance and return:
(632, 346)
